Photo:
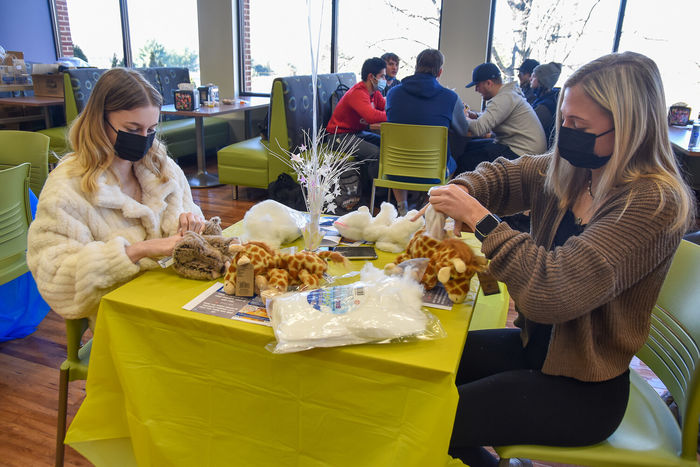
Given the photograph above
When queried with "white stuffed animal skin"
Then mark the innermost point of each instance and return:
(352, 225)
(390, 232)
(396, 237)
(381, 222)
(272, 223)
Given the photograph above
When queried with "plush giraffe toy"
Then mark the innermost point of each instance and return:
(275, 270)
(451, 261)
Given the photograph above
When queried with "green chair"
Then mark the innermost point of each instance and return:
(415, 151)
(74, 368)
(15, 217)
(649, 434)
(17, 147)
(252, 162)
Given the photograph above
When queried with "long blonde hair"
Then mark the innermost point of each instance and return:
(628, 87)
(117, 89)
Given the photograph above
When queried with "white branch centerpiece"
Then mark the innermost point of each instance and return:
(318, 164)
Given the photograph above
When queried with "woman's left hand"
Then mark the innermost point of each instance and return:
(454, 201)
(190, 221)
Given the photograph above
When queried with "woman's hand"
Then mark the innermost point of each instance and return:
(152, 248)
(189, 221)
(455, 201)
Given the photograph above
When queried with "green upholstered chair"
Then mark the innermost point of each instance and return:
(414, 151)
(649, 434)
(251, 162)
(177, 132)
(73, 368)
(17, 147)
(15, 217)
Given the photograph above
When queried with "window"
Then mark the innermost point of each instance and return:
(370, 28)
(275, 42)
(165, 34)
(571, 33)
(161, 33)
(668, 37)
(95, 31)
(365, 29)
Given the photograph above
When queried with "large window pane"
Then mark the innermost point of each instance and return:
(668, 36)
(571, 33)
(370, 28)
(164, 33)
(276, 41)
(95, 28)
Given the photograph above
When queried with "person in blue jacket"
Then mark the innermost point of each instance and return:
(421, 100)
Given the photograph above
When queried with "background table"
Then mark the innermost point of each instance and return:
(680, 137)
(33, 101)
(202, 178)
(168, 386)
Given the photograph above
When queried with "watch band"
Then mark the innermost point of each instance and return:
(486, 225)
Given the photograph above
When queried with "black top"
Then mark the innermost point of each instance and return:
(538, 343)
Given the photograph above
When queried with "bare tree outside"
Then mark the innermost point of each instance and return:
(369, 28)
(565, 31)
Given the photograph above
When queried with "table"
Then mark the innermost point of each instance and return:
(171, 387)
(35, 101)
(680, 137)
(203, 179)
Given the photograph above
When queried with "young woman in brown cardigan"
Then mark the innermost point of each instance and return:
(608, 209)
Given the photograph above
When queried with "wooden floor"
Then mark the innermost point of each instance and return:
(29, 366)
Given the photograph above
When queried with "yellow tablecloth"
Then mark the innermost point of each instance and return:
(168, 386)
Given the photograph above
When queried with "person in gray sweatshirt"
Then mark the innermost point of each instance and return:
(515, 126)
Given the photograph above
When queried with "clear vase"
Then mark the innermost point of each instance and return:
(312, 232)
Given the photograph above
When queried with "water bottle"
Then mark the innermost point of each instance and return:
(695, 134)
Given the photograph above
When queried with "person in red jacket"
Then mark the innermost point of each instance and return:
(362, 105)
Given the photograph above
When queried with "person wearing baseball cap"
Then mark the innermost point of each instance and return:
(524, 75)
(516, 126)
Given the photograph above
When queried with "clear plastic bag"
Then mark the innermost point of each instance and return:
(376, 309)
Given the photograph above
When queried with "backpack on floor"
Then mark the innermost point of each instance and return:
(287, 191)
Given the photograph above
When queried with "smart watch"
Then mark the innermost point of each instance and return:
(486, 225)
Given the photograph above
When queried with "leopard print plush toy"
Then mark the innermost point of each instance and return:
(204, 256)
(451, 261)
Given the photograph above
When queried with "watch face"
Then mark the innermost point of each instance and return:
(488, 223)
(486, 226)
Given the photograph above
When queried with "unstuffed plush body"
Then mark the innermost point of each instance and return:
(451, 261)
(204, 256)
(273, 223)
(389, 232)
(276, 270)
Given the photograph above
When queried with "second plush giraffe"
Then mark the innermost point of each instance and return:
(451, 261)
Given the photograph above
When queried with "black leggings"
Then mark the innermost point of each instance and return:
(505, 399)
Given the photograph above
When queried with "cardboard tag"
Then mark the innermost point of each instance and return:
(488, 283)
(245, 280)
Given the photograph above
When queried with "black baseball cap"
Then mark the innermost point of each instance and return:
(483, 72)
(528, 65)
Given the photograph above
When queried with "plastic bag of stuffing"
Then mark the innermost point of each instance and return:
(376, 309)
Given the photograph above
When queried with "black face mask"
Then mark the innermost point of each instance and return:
(130, 146)
(576, 146)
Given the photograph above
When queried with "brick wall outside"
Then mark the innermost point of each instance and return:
(66, 42)
(247, 62)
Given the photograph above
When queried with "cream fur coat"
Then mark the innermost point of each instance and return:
(76, 244)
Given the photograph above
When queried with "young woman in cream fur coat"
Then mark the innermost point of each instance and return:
(113, 205)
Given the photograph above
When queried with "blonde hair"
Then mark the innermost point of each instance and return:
(117, 89)
(628, 87)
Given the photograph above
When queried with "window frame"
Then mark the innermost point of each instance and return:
(334, 44)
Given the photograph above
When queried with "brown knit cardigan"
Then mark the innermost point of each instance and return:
(598, 289)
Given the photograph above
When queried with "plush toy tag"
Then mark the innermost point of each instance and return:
(488, 283)
(245, 280)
